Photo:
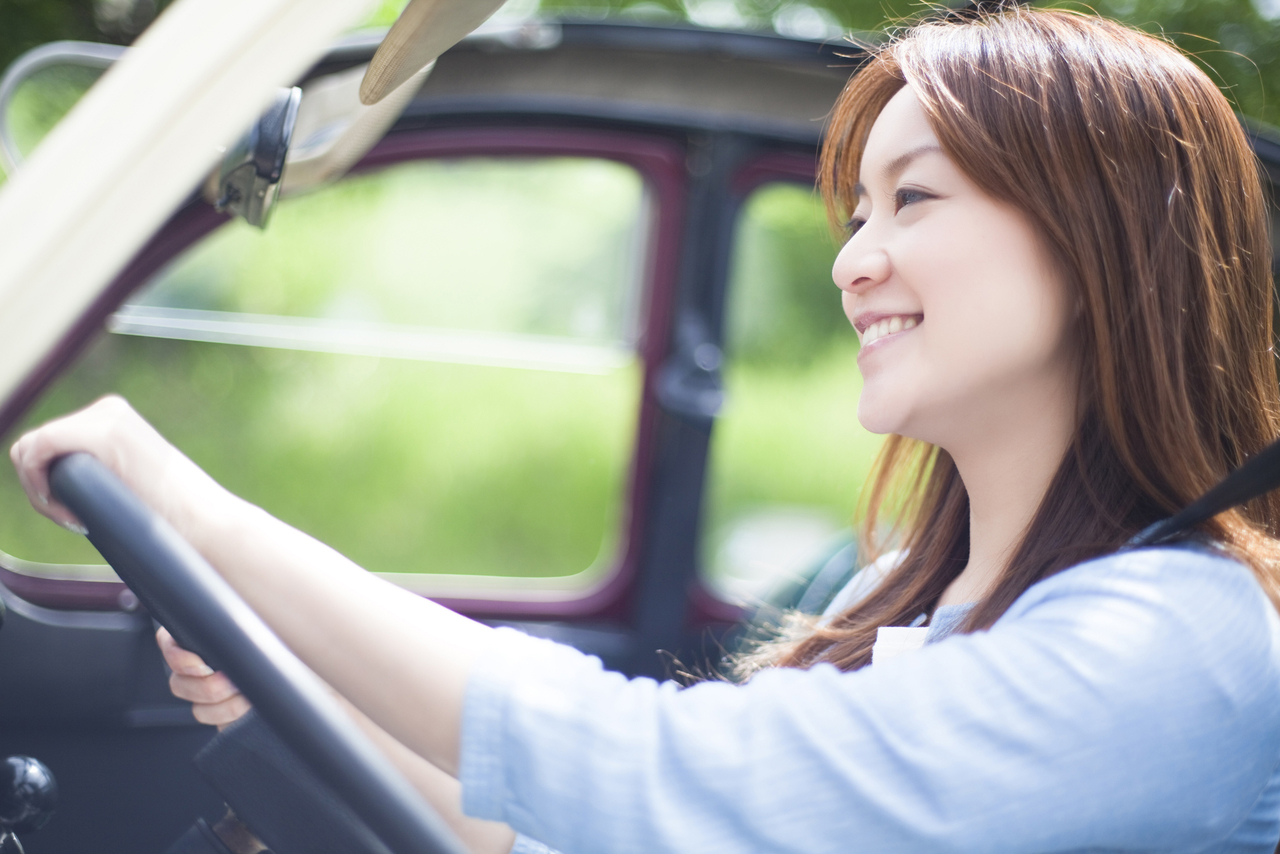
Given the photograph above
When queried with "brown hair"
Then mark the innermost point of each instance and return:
(1133, 167)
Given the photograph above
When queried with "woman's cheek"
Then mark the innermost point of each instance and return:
(847, 302)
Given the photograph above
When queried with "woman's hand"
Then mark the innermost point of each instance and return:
(122, 440)
(214, 700)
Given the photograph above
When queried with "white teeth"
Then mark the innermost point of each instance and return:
(888, 326)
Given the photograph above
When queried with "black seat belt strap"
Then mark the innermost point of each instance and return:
(1259, 475)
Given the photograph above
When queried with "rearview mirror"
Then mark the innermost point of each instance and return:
(249, 179)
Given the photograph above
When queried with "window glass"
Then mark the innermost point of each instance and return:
(788, 456)
(430, 367)
(42, 99)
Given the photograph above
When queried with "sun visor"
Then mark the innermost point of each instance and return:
(335, 129)
(424, 30)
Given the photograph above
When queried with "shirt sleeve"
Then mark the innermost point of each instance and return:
(1125, 703)
(525, 845)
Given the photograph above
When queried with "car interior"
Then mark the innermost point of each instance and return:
(539, 325)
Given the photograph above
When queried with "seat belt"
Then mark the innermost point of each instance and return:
(1259, 475)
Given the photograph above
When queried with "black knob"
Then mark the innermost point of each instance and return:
(28, 794)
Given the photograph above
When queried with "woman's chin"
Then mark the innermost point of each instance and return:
(879, 416)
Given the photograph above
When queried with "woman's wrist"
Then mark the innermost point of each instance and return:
(211, 518)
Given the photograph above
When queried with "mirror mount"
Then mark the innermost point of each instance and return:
(249, 180)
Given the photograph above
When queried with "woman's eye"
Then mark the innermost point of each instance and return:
(853, 225)
(906, 196)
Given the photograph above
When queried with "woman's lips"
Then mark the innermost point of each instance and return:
(890, 325)
(887, 328)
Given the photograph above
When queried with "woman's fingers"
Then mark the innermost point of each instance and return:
(221, 714)
(203, 690)
(124, 442)
(109, 429)
(180, 660)
(215, 700)
(31, 456)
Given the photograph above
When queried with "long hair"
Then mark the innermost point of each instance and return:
(1132, 166)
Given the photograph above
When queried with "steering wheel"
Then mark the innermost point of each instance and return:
(189, 598)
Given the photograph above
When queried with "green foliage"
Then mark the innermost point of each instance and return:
(1230, 39)
(25, 24)
(385, 14)
(788, 456)
(403, 466)
(789, 436)
(783, 306)
(43, 99)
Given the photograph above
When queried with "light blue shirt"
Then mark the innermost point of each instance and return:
(1129, 703)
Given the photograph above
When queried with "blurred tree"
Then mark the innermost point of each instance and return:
(1237, 41)
(25, 24)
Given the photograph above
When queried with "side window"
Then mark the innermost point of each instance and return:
(431, 367)
(788, 456)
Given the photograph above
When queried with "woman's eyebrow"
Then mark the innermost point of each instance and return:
(895, 167)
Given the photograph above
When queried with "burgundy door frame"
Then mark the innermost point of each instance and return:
(707, 611)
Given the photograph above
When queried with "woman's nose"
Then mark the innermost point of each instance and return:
(860, 266)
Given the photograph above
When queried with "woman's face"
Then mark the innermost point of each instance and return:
(964, 319)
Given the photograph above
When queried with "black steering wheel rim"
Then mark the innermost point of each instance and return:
(187, 596)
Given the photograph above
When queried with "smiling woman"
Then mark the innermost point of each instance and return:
(1100, 305)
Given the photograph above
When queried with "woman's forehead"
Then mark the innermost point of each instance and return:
(900, 135)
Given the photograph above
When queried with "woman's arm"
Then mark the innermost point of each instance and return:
(402, 660)
(440, 790)
(216, 701)
(1125, 704)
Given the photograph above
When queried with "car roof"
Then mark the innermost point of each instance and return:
(666, 75)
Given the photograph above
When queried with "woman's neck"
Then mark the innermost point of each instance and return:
(1006, 473)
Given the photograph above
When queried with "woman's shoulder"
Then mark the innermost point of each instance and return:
(1194, 608)
(1172, 608)
(1206, 577)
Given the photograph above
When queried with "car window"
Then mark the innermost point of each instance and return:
(41, 101)
(788, 456)
(431, 366)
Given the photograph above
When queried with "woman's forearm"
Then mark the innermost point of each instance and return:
(440, 790)
(402, 660)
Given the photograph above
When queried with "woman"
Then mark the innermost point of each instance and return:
(1058, 265)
